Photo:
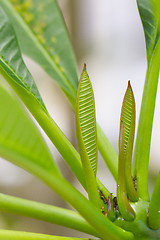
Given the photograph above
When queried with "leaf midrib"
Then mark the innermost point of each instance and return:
(21, 82)
(42, 49)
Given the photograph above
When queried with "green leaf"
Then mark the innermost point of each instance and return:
(150, 15)
(87, 133)
(43, 37)
(20, 141)
(128, 120)
(154, 206)
(85, 112)
(11, 62)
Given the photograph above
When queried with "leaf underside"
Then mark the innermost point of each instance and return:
(128, 119)
(86, 112)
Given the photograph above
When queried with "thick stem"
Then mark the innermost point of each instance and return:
(142, 147)
(103, 226)
(154, 206)
(17, 235)
(44, 212)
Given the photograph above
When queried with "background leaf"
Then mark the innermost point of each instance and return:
(150, 15)
(20, 141)
(43, 37)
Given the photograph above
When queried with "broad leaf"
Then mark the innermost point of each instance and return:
(150, 15)
(87, 132)
(11, 62)
(43, 37)
(128, 120)
(20, 141)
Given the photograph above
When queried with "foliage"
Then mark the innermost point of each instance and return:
(39, 27)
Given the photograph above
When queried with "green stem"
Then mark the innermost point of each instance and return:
(142, 146)
(17, 235)
(108, 153)
(105, 229)
(102, 188)
(154, 206)
(44, 212)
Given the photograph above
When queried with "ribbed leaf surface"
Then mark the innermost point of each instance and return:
(86, 109)
(20, 141)
(128, 118)
(128, 130)
(43, 37)
(87, 135)
(11, 60)
(150, 15)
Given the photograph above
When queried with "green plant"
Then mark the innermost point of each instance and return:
(42, 36)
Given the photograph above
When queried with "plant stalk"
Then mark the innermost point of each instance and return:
(142, 146)
(44, 212)
(17, 235)
(154, 206)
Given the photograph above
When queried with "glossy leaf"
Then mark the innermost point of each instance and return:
(86, 132)
(154, 206)
(43, 37)
(123, 203)
(150, 15)
(128, 120)
(11, 62)
(20, 141)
